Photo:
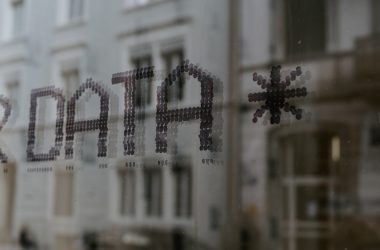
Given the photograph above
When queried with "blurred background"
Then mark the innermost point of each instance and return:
(312, 183)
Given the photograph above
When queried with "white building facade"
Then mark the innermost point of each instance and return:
(64, 42)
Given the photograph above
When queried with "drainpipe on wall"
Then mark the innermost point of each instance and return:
(231, 239)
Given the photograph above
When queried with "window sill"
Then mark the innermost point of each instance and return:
(133, 8)
(154, 222)
(12, 40)
(309, 56)
(71, 25)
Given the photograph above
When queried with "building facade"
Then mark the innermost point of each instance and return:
(126, 198)
(309, 183)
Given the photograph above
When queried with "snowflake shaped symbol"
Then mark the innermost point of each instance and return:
(276, 94)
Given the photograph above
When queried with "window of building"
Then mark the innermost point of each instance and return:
(88, 148)
(308, 162)
(70, 11)
(305, 27)
(18, 15)
(176, 90)
(376, 16)
(12, 88)
(214, 218)
(182, 190)
(127, 180)
(70, 76)
(71, 80)
(320, 145)
(144, 86)
(64, 194)
(153, 191)
(374, 136)
(75, 10)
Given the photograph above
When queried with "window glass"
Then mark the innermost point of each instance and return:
(375, 16)
(153, 191)
(71, 80)
(127, 180)
(190, 124)
(76, 9)
(176, 90)
(183, 191)
(18, 7)
(143, 87)
(64, 194)
(305, 27)
(312, 203)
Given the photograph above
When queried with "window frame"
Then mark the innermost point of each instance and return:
(178, 170)
(148, 212)
(121, 173)
(7, 20)
(64, 17)
(286, 184)
(178, 88)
